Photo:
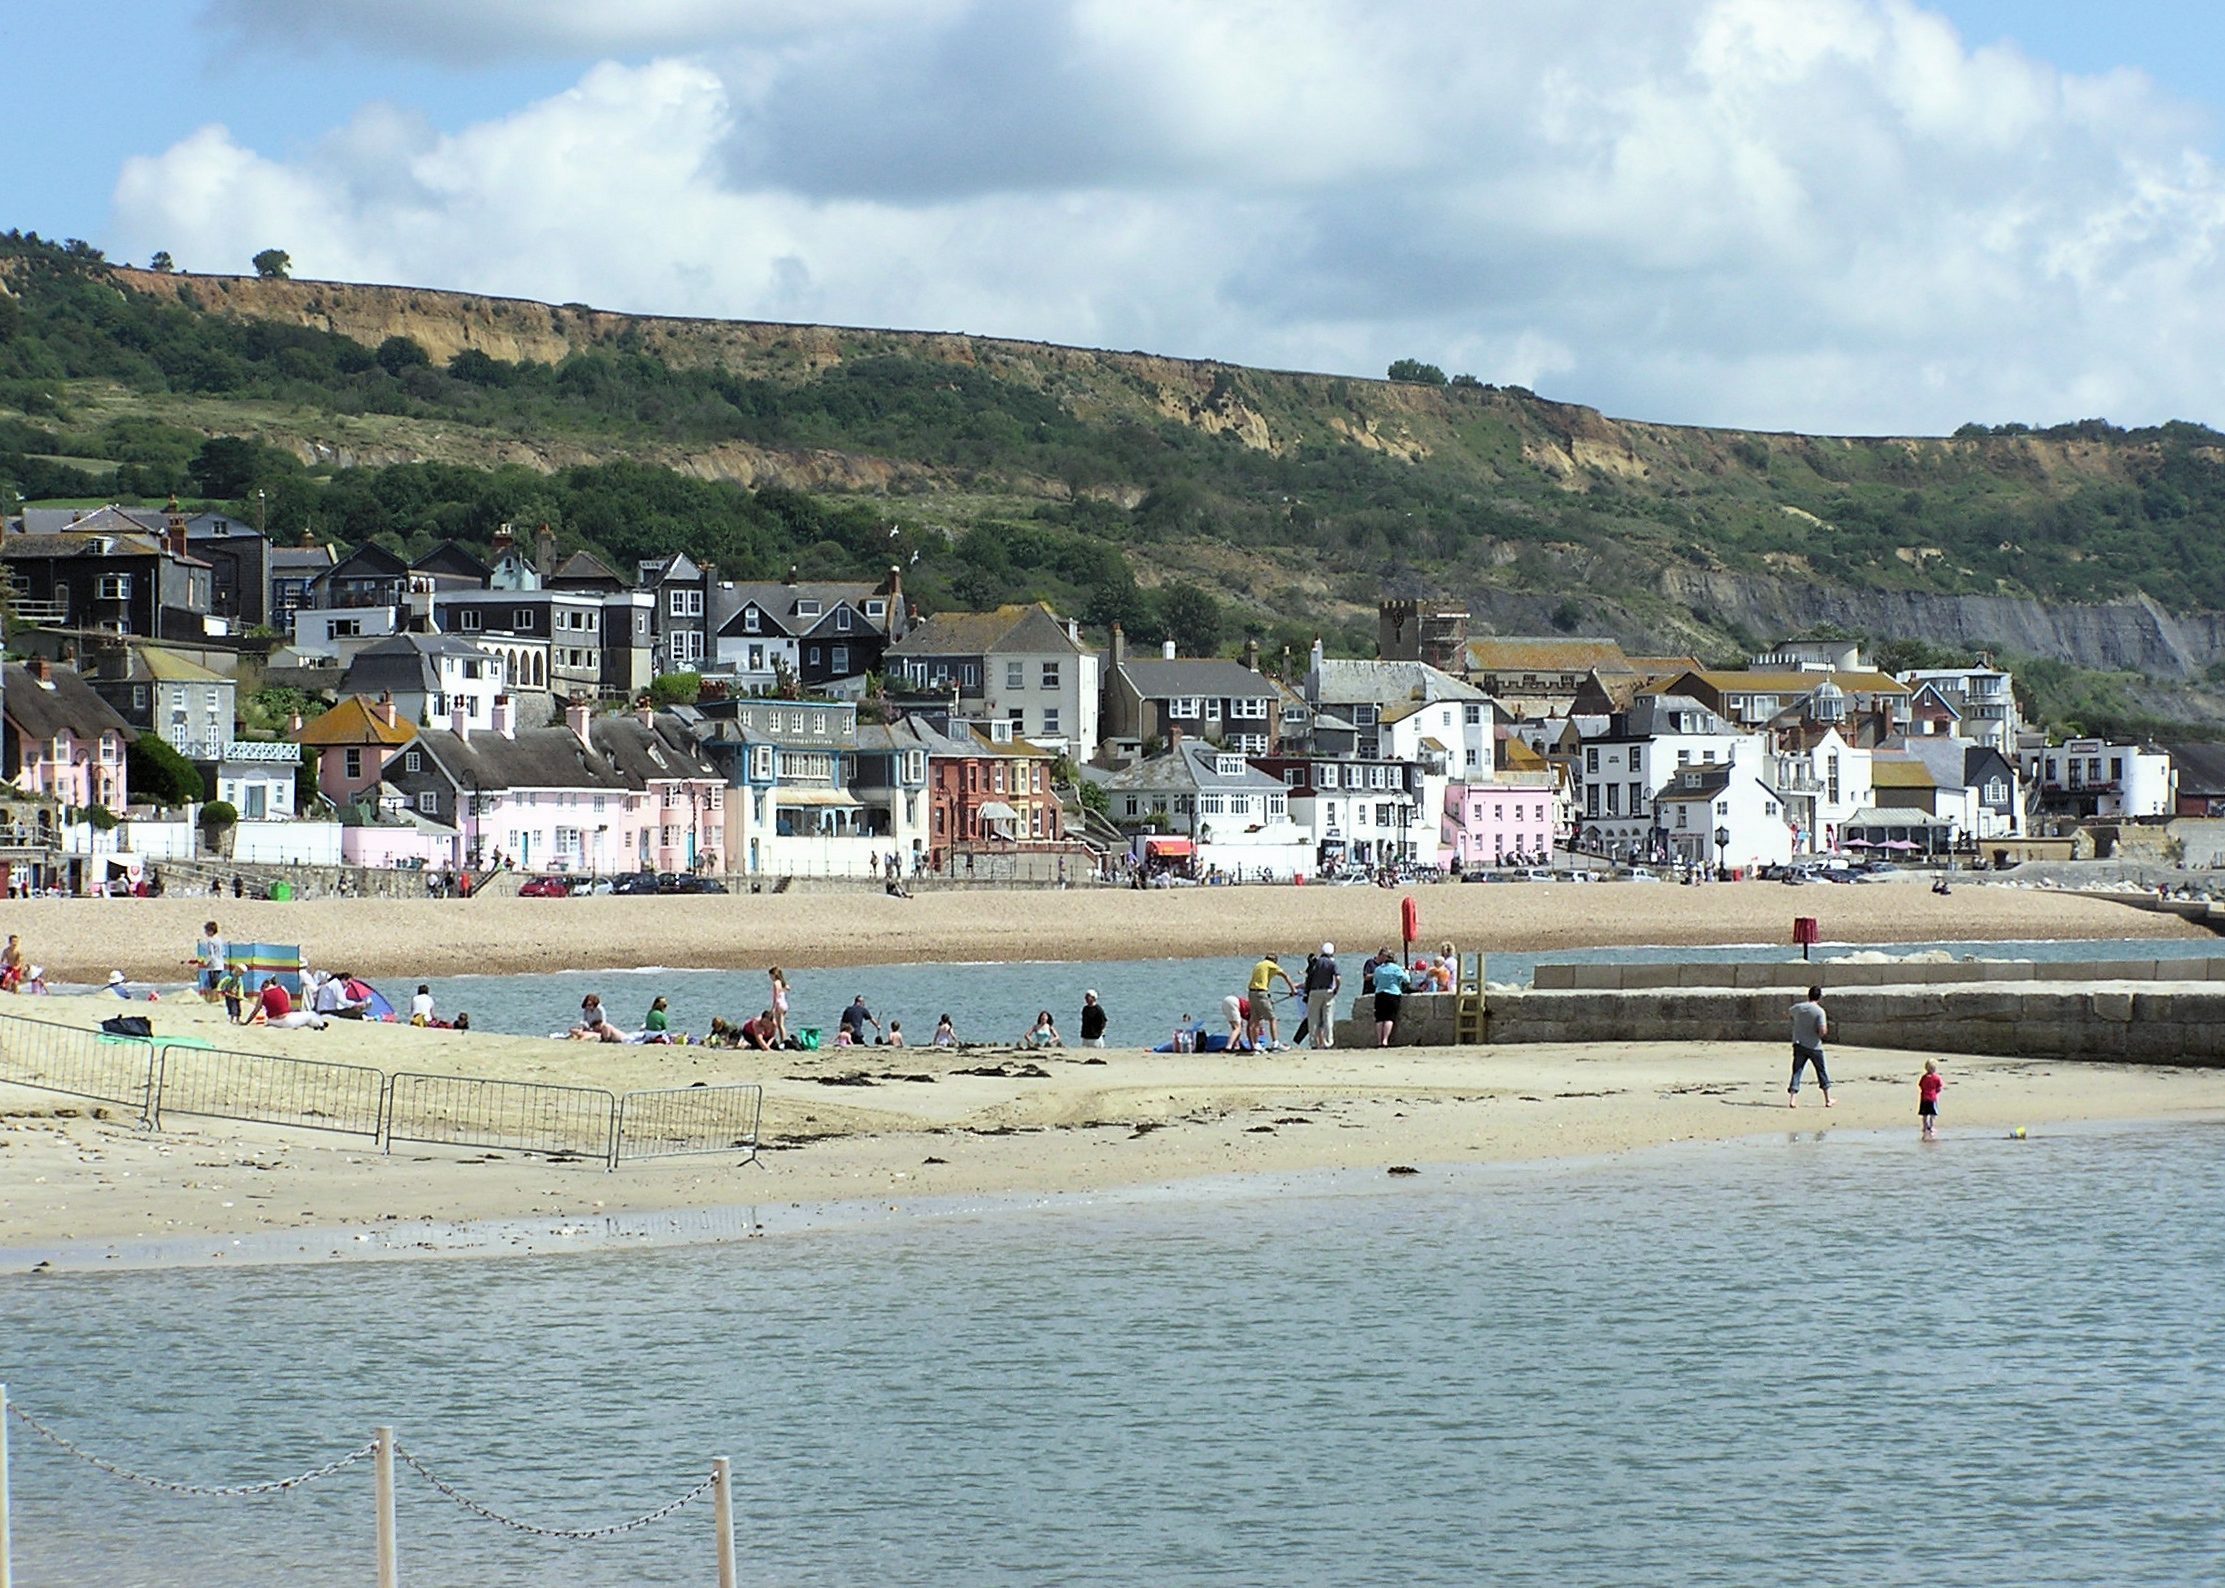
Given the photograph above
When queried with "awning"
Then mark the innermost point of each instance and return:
(815, 796)
(997, 811)
(1168, 846)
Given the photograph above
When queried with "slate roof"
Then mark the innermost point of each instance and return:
(104, 544)
(1016, 626)
(404, 662)
(1205, 677)
(1893, 770)
(1192, 766)
(109, 520)
(777, 600)
(156, 664)
(354, 721)
(1345, 682)
(625, 756)
(1755, 681)
(584, 567)
(454, 560)
(40, 713)
(1696, 783)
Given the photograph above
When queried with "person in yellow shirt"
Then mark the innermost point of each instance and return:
(1261, 994)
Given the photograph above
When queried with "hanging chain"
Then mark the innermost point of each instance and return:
(409, 1459)
(218, 1491)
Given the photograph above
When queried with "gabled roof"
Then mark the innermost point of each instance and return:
(454, 560)
(625, 756)
(1892, 769)
(109, 520)
(371, 560)
(1515, 755)
(1545, 653)
(1201, 677)
(1193, 766)
(1345, 682)
(585, 568)
(1015, 626)
(1701, 782)
(163, 666)
(300, 559)
(39, 712)
(778, 601)
(1794, 681)
(405, 662)
(354, 721)
(673, 565)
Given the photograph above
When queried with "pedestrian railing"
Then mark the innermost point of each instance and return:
(156, 1078)
(688, 1119)
(78, 1062)
(266, 1089)
(517, 1116)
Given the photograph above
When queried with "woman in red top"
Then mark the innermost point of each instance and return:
(277, 1002)
(1928, 1087)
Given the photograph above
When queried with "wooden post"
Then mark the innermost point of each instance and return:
(383, 1464)
(7, 1573)
(722, 1502)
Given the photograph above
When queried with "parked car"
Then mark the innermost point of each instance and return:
(545, 888)
(676, 883)
(636, 882)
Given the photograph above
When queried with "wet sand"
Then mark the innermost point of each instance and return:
(78, 1181)
(150, 939)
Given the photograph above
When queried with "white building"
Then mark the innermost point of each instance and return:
(1822, 778)
(1240, 817)
(2090, 777)
(1723, 814)
(431, 677)
(1983, 697)
(1019, 663)
(1659, 736)
(257, 779)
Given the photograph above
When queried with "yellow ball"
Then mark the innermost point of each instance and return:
(2017, 1134)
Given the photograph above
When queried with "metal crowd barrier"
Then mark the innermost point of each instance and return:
(670, 1121)
(514, 1116)
(266, 1089)
(79, 1062)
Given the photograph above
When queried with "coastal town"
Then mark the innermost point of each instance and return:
(352, 720)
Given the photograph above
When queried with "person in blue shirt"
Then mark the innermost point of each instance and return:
(1390, 991)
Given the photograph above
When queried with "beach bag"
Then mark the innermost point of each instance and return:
(128, 1026)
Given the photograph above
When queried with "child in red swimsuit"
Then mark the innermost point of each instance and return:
(1928, 1087)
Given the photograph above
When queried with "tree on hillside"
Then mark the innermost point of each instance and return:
(1192, 618)
(1414, 370)
(398, 353)
(273, 264)
(161, 262)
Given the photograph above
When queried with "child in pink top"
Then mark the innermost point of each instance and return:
(1928, 1087)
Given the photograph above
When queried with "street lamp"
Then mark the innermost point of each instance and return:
(1722, 848)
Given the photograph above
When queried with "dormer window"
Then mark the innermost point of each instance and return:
(1228, 765)
(807, 609)
(876, 610)
(749, 620)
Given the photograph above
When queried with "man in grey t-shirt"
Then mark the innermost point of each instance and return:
(1810, 1025)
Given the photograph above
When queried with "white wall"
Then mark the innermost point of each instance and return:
(287, 843)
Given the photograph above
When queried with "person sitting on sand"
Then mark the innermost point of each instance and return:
(421, 1006)
(759, 1033)
(1044, 1033)
(462, 1022)
(946, 1035)
(593, 1025)
(656, 1025)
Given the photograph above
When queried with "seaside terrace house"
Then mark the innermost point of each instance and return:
(294, 572)
(238, 559)
(105, 570)
(1542, 675)
(890, 771)
(790, 806)
(1511, 819)
(989, 789)
(162, 691)
(257, 778)
(1722, 814)
(429, 677)
(1224, 702)
(1019, 662)
(1974, 786)
(626, 791)
(353, 743)
(1820, 776)
(551, 643)
(1982, 699)
(628, 616)
(62, 751)
(1209, 803)
(1876, 705)
(679, 590)
(827, 634)
(2088, 778)
(1643, 748)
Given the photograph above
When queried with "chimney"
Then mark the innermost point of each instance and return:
(544, 551)
(646, 714)
(1166, 650)
(459, 720)
(575, 718)
(1251, 654)
(173, 538)
(386, 707)
(504, 541)
(293, 726)
(1174, 738)
(500, 718)
(1119, 648)
(1073, 631)
(791, 579)
(42, 672)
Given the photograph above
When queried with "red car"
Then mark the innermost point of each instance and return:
(545, 888)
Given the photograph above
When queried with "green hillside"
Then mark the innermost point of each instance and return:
(1200, 499)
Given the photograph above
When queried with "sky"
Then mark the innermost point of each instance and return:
(1845, 216)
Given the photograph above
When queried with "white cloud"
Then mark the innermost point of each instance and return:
(1825, 214)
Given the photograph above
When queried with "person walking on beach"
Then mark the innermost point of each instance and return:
(1322, 986)
(1093, 1020)
(1810, 1025)
(780, 1006)
(1928, 1087)
(1262, 995)
(946, 1035)
(209, 955)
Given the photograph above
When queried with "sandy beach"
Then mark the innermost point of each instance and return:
(149, 939)
(76, 1178)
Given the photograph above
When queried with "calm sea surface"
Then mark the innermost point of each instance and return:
(1849, 1359)
(997, 1002)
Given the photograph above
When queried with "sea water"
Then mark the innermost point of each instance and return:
(1817, 1357)
(997, 1002)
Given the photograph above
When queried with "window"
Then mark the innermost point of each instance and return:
(1250, 743)
(876, 610)
(1475, 716)
(1684, 758)
(807, 609)
(1255, 710)
(413, 762)
(428, 803)
(521, 619)
(685, 603)
(468, 619)
(842, 619)
(761, 762)
(351, 762)
(343, 628)
(1213, 708)
(1131, 803)
(1050, 720)
(749, 620)
(1209, 805)
(1183, 706)
(1015, 675)
(1325, 777)
(1363, 716)
(1050, 675)
(1591, 760)
(842, 661)
(113, 587)
(1722, 807)
(813, 656)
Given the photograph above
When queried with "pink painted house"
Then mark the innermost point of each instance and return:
(353, 742)
(63, 740)
(1488, 824)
